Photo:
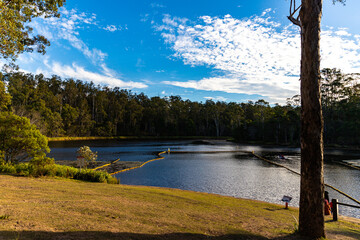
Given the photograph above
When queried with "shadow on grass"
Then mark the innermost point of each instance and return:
(350, 233)
(39, 235)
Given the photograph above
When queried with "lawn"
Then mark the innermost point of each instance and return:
(49, 208)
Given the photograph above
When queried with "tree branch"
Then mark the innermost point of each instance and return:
(5, 6)
(293, 11)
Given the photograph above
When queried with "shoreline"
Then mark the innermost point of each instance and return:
(111, 168)
(135, 138)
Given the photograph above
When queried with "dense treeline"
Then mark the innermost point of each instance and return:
(341, 107)
(74, 108)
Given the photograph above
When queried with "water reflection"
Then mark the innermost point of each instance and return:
(229, 173)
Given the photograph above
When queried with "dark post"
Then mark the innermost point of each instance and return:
(335, 209)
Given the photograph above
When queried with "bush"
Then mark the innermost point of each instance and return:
(52, 170)
(7, 168)
(42, 161)
(23, 169)
(95, 176)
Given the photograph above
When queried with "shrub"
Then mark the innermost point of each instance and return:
(95, 176)
(22, 169)
(52, 170)
(7, 168)
(42, 166)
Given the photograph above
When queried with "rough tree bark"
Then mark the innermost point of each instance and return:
(311, 218)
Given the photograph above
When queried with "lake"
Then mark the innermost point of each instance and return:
(226, 173)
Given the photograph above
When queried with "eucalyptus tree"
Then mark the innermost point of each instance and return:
(16, 36)
(311, 218)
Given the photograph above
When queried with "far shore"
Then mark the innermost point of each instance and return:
(227, 138)
(58, 139)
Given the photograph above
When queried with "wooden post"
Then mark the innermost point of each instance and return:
(335, 209)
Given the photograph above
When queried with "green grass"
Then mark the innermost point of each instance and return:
(48, 208)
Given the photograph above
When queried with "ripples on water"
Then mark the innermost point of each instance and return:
(232, 173)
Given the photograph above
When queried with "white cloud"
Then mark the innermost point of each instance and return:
(78, 72)
(144, 17)
(254, 55)
(68, 27)
(157, 5)
(218, 98)
(113, 28)
(340, 51)
(140, 63)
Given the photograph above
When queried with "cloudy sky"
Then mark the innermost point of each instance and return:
(229, 50)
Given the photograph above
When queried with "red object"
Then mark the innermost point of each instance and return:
(327, 207)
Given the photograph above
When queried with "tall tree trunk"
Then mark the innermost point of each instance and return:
(311, 219)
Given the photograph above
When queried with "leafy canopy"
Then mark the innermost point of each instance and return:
(19, 139)
(15, 36)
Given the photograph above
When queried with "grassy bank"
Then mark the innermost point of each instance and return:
(49, 208)
(55, 139)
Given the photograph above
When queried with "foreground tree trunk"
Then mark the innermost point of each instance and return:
(311, 219)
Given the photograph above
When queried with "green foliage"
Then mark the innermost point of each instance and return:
(69, 116)
(5, 98)
(95, 176)
(54, 170)
(19, 139)
(15, 36)
(4, 217)
(41, 161)
(2, 157)
(42, 166)
(341, 108)
(7, 168)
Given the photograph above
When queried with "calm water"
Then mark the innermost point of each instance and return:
(232, 174)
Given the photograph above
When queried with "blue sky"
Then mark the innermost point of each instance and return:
(229, 50)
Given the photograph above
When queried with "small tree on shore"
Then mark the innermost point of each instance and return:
(87, 155)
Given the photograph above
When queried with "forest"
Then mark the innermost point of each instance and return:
(68, 107)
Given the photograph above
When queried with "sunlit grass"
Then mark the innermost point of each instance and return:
(53, 208)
